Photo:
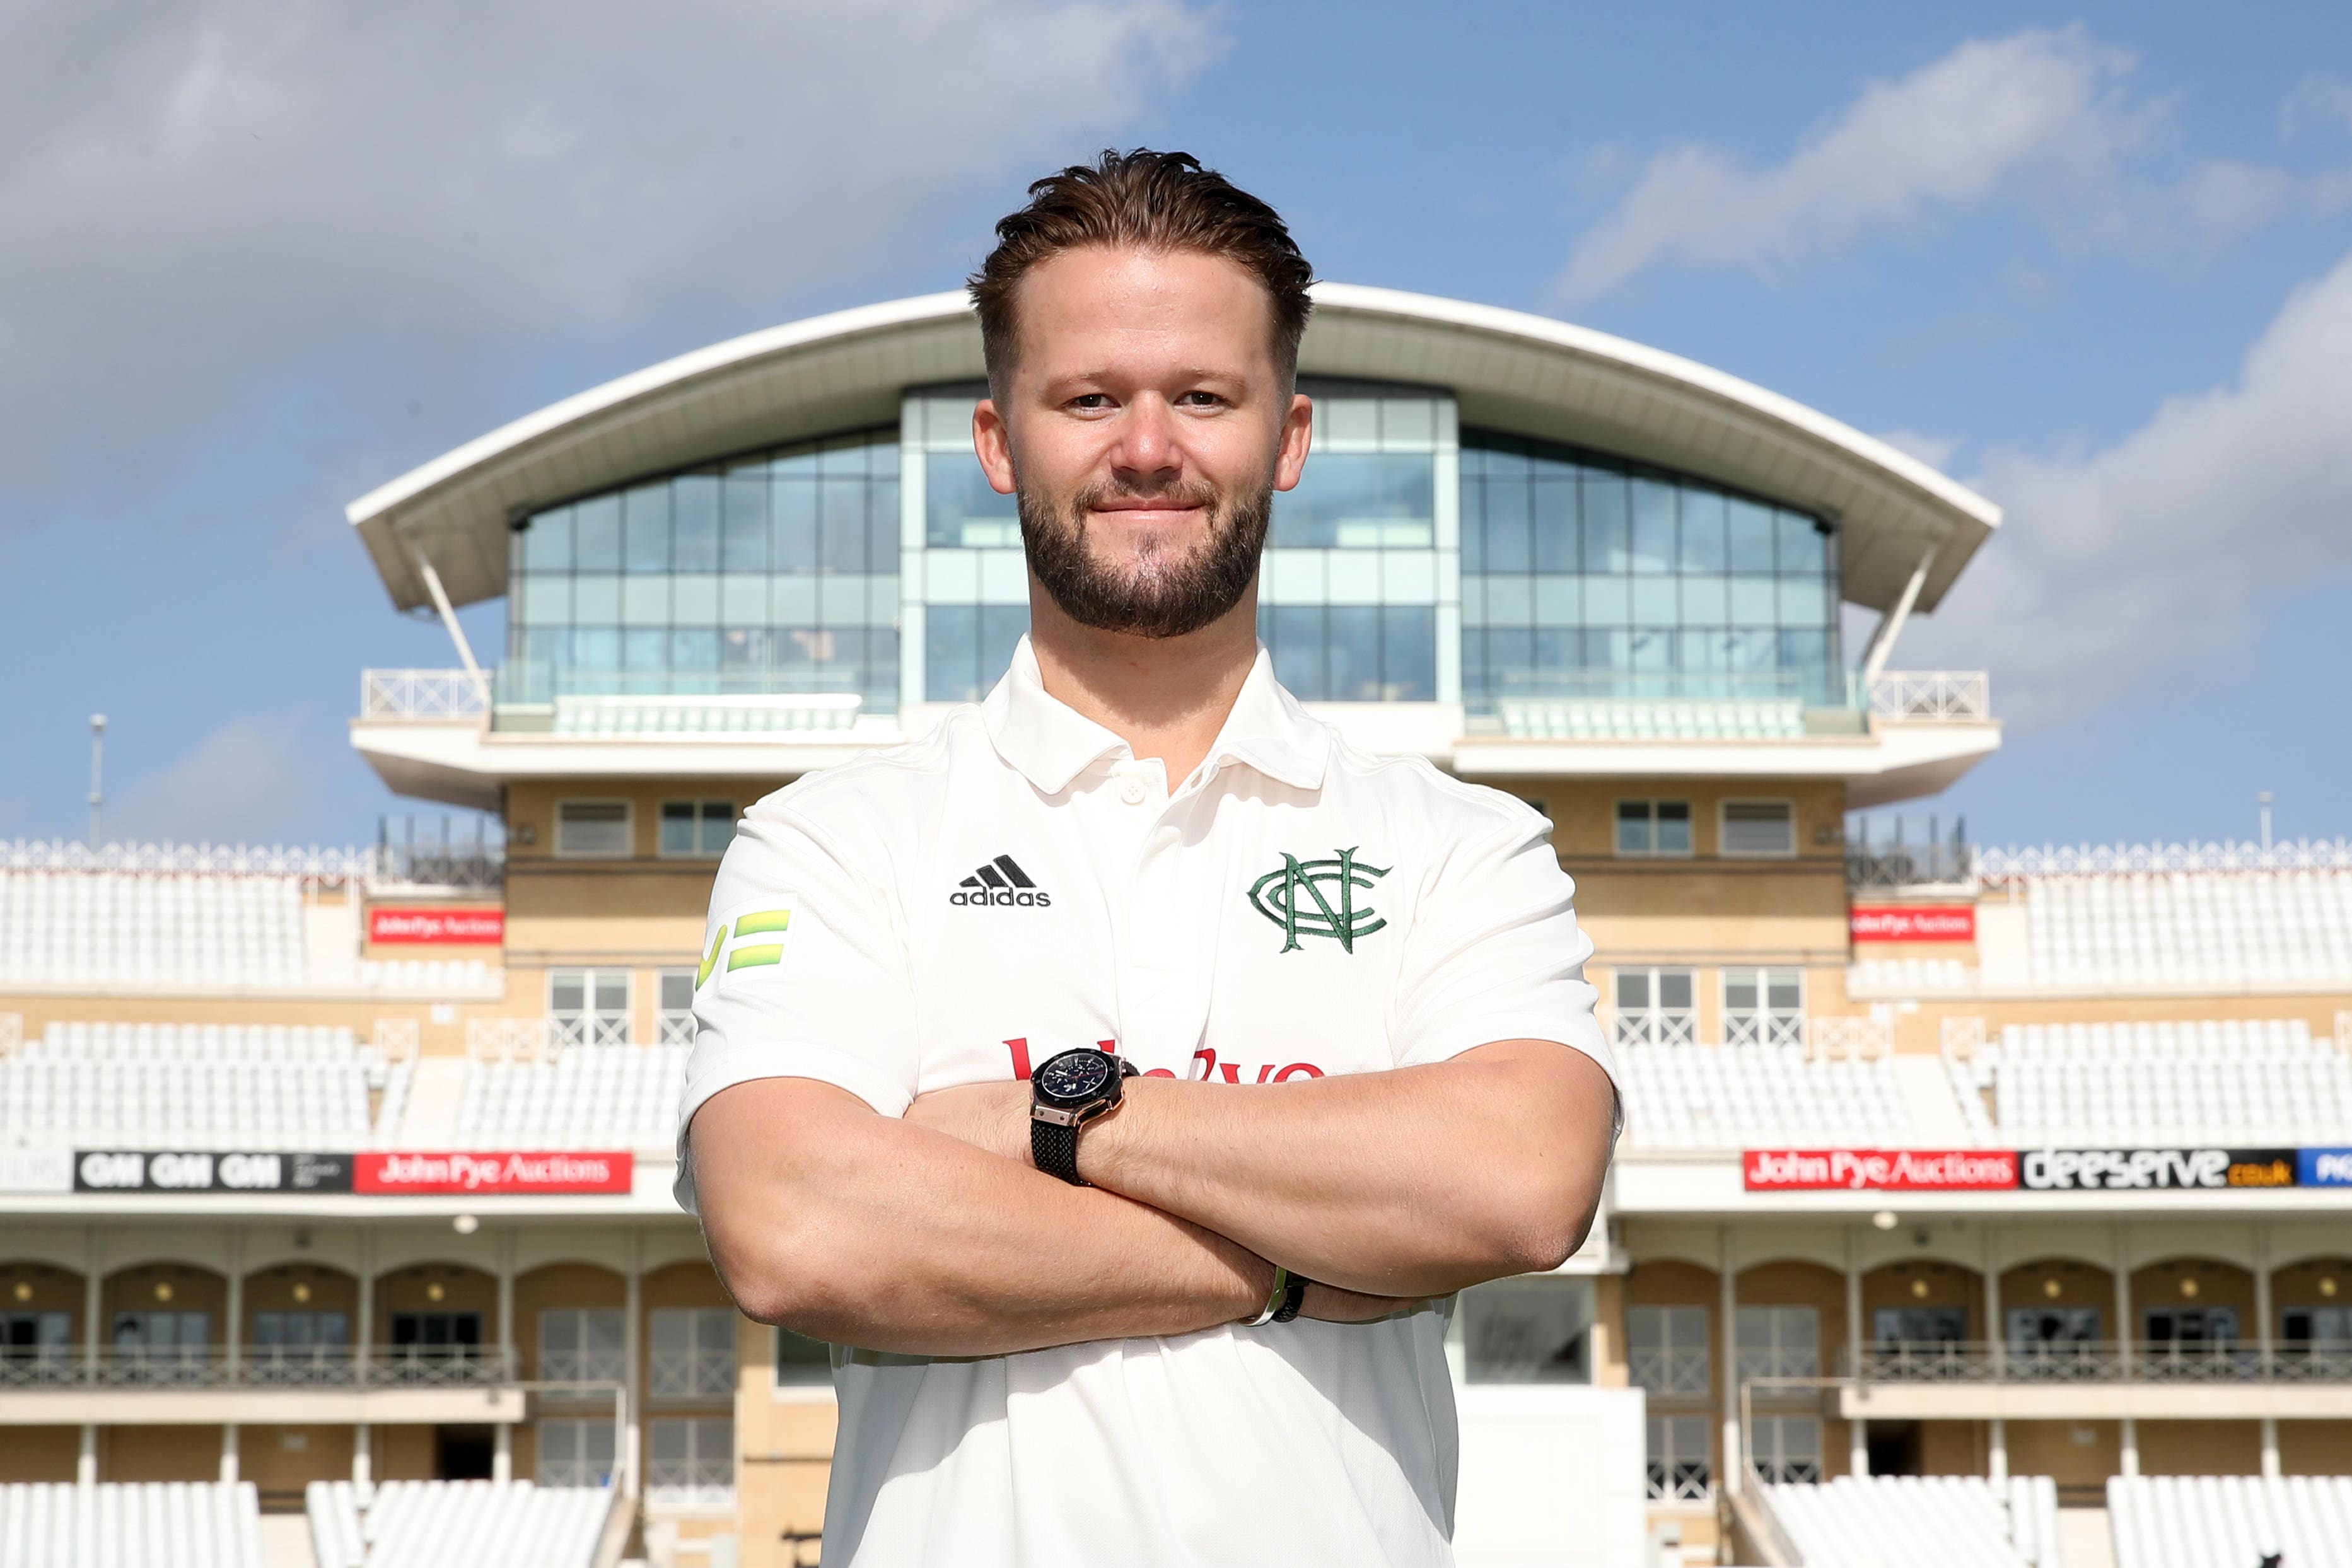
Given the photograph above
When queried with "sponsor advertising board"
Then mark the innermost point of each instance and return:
(189, 1170)
(2126, 1170)
(437, 927)
(2323, 1167)
(493, 1173)
(36, 1171)
(1914, 923)
(1879, 1170)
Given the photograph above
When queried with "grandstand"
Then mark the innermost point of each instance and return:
(179, 1525)
(2199, 1521)
(583, 1097)
(433, 1524)
(1712, 1097)
(1910, 1522)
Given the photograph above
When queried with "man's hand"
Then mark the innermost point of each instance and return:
(990, 1117)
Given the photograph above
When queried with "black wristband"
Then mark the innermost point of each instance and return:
(1053, 1148)
(1292, 1298)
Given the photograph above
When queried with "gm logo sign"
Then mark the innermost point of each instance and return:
(2323, 1167)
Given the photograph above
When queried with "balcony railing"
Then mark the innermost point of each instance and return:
(434, 697)
(1947, 695)
(2102, 1361)
(322, 1367)
(704, 1373)
(1669, 1374)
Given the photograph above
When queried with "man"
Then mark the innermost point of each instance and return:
(1312, 1048)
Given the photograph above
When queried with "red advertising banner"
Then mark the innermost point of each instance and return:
(493, 1172)
(470, 926)
(1879, 1170)
(1916, 923)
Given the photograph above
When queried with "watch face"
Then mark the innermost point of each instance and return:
(1075, 1075)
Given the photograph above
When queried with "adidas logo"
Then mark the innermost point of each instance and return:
(999, 885)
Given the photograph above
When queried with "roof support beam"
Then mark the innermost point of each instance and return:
(449, 617)
(1890, 625)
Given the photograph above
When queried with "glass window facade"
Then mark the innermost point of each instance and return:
(1583, 576)
(774, 573)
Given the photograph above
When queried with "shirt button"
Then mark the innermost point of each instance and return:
(1133, 792)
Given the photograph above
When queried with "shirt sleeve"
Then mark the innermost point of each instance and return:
(1496, 953)
(804, 973)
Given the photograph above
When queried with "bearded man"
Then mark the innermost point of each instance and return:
(1144, 1068)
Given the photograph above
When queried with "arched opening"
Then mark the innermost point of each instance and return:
(301, 1324)
(2191, 1317)
(570, 1327)
(1791, 1327)
(41, 1330)
(1923, 1321)
(2311, 1326)
(693, 1340)
(2057, 1317)
(1670, 1354)
(160, 1324)
(433, 1328)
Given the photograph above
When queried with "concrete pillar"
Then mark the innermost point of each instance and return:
(2126, 1335)
(2270, 1449)
(86, 1462)
(502, 1457)
(233, 1331)
(1996, 1342)
(1857, 1449)
(93, 1310)
(2266, 1332)
(363, 1331)
(2131, 1446)
(228, 1454)
(1997, 1451)
(1735, 1468)
(363, 1455)
(633, 1341)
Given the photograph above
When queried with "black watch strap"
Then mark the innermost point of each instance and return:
(1054, 1149)
(1292, 1298)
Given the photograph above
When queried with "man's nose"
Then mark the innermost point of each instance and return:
(1148, 446)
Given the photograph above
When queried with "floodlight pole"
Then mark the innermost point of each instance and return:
(97, 773)
(2263, 800)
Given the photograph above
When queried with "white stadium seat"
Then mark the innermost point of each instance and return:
(588, 1097)
(166, 1086)
(2250, 1082)
(147, 1524)
(434, 1524)
(1729, 1097)
(2190, 928)
(1920, 1521)
(2230, 1522)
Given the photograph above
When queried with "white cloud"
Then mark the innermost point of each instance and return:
(2151, 564)
(217, 203)
(1934, 450)
(2316, 100)
(2038, 119)
(244, 783)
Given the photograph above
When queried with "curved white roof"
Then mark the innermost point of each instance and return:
(1509, 370)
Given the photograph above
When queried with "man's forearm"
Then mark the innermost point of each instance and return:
(1407, 1183)
(865, 1230)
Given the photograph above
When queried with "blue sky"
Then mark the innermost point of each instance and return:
(2096, 261)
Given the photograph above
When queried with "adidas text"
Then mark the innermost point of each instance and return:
(1001, 897)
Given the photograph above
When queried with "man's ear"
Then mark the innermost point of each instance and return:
(1298, 432)
(993, 442)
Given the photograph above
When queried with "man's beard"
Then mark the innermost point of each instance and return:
(1175, 588)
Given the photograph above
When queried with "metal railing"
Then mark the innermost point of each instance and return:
(1655, 1028)
(1934, 696)
(2105, 1361)
(278, 1367)
(2134, 860)
(1669, 1374)
(447, 864)
(1771, 1029)
(432, 697)
(704, 1373)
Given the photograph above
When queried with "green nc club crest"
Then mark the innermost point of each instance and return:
(1318, 898)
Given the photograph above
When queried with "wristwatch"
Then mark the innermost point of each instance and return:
(1065, 1093)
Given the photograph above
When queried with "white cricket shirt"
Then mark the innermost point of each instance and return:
(1018, 883)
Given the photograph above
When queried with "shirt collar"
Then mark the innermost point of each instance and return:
(1052, 743)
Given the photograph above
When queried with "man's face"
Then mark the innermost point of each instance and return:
(1144, 428)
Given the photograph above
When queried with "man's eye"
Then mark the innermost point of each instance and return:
(1090, 401)
(1200, 400)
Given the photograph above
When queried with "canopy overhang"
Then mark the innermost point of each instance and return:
(1509, 370)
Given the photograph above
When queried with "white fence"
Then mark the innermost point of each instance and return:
(427, 695)
(1933, 695)
(2110, 860)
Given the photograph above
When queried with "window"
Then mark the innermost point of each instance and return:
(1787, 1447)
(436, 1335)
(1758, 829)
(1764, 1006)
(2043, 1332)
(697, 829)
(1353, 653)
(575, 1453)
(593, 830)
(803, 1362)
(961, 509)
(773, 573)
(693, 1353)
(1654, 827)
(968, 648)
(588, 1006)
(674, 1025)
(1667, 1352)
(2317, 1337)
(1657, 1006)
(38, 1337)
(1779, 1342)
(691, 1463)
(1357, 500)
(1528, 1331)
(581, 1344)
(163, 1333)
(1918, 1328)
(1586, 576)
(2189, 1331)
(1681, 1465)
(285, 1343)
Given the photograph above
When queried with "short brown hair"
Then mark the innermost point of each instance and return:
(1152, 201)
